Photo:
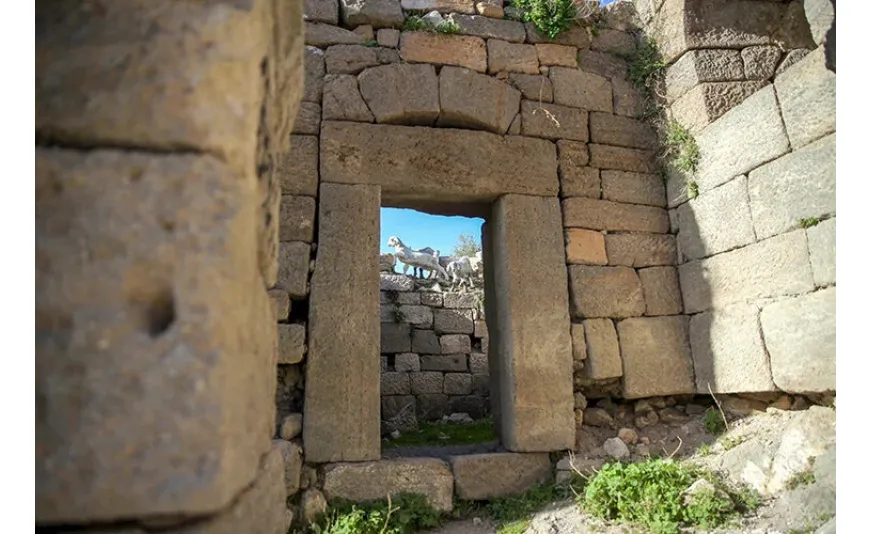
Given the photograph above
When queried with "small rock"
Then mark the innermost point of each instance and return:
(460, 418)
(694, 409)
(292, 426)
(616, 448)
(395, 434)
(490, 10)
(578, 418)
(597, 417)
(434, 18)
(308, 478)
(313, 504)
(742, 407)
(672, 416)
(658, 402)
(622, 412)
(628, 435)
(580, 401)
(670, 401)
(641, 450)
(702, 485)
(800, 403)
(642, 406)
(782, 403)
(608, 405)
(648, 419)
(544, 69)
(288, 519)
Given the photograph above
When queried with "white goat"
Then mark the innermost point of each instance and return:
(462, 270)
(416, 258)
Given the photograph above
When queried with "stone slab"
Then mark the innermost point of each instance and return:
(442, 6)
(425, 342)
(298, 169)
(532, 86)
(342, 401)
(575, 88)
(324, 35)
(557, 55)
(321, 11)
(342, 100)
(661, 291)
(296, 219)
(609, 129)
(489, 28)
(401, 93)
(396, 338)
(716, 221)
(697, 66)
(554, 122)
(489, 476)
(503, 56)
(656, 358)
(580, 212)
(427, 382)
(708, 101)
(476, 101)
(602, 350)
(621, 158)
(822, 241)
(307, 119)
(457, 383)
(807, 94)
(585, 247)
(633, 188)
(641, 250)
(604, 292)
(315, 69)
(453, 321)
(759, 62)
(293, 265)
(440, 49)
(376, 13)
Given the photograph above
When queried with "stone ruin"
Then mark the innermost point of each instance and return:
(245, 154)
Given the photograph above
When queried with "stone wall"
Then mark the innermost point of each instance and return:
(434, 349)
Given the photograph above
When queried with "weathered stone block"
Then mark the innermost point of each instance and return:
(528, 267)
(450, 6)
(807, 95)
(595, 214)
(575, 88)
(296, 218)
(363, 153)
(457, 384)
(407, 362)
(343, 321)
(460, 300)
(458, 50)
(480, 385)
(291, 426)
(388, 37)
(759, 62)
(395, 338)
(627, 100)
(281, 301)
(557, 55)
(426, 381)
(395, 383)
(641, 250)
(401, 93)
(375, 480)
(602, 350)
(601, 64)
(632, 187)
(706, 102)
(417, 315)
(377, 13)
(395, 282)
(291, 343)
(585, 247)
(822, 241)
(431, 406)
(511, 57)
(298, 170)
(292, 460)
(425, 342)
(400, 298)
(661, 290)
(489, 28)
(621, 159)
(476, 101)
(820, 16)
(728, 351)
(453, 321)
(349, 59)
(575, 35)
(796, 186)
(656, 358)
(745, 137)
(434, 300)
(293, 268)
(554, 122)
(621, 131)
(576, 178)
(604, 292)
(480, 329)
(578, 342)
(455, 343)
(307, 119)
(342, 100)
(478, 363)
(774, 267)
(315, 69)
(533, 87)
(388, 55)
(398, 408)
(800, 334)
(698, 66)
(475, 406)
(791, 58)
(489, 9)
(489, 476)
(324, 35)
(716, 221)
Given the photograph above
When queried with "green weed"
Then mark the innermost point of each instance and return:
(405, 513)
(370, 42)
(804, 478)
(438, 433)
(714, 422)
(808, 222)
(416, 23)
(692, 189)
(550, 17)
(514, 512)
(644, 64)
(682, 146)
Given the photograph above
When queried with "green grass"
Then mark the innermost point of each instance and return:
(808, 222)
(415, 23)
(692, 189)
(644, 64)
(438, 433)
(550, 17)
(370, 42)
(406, 513)
(714, 422)
(682, 146)
(514, 512)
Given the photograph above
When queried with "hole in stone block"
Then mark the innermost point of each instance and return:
(161, 313)
(150, 299)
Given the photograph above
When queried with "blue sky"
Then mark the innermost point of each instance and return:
(420, 230)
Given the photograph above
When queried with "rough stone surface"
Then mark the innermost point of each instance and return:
(791, 58)
(308, 119)
(457, 384)
(396, 282)
(575, 88)
(698, 66)
(602, 64)
(362, 153)
(427, 381)
(554, 122)
(759, 62)
(388, 37)
(621, 159)
(616, 448)
(511, 57)
(443, 6)
(375, 480)
(291, 427)
(578, 341)
(632, 187)
(745, 137)
(292, 456)
(407, 362)
(315, 69)
(293, 260)
(489, 28)
(641, 250)
(349, 59)
(610, 129)
(557, 55)
(656, 358)
(296, 218)
(706, 102)
(291, 343)
(604, 292)
(627, 100)
(822, 241)
(401, 93)
(798, 185)
(460, 300)
(478, 364)
(800, 335)
(342, 100)
(395, 383)
(490, 10)
(534, 367)
(281, 300)
(312, 505)
(594, 214)
(770, 268)
(453, 321)
(602, 350)
(376, 13)
(585, 247)
(575, 177)
(532, 86)
(459, 50)
(661, 290)
(321, 11)
(573, 36)
(299, 170)
(342, 405)
(476, 101)
(728, 351)
(417, 315)
(716, 221)
(807, 95)
(493, 475)
(431, 406)
(455, 344)
(396, 338)
(609, 40)
(425, 342)
(324, 35)
(820, 16)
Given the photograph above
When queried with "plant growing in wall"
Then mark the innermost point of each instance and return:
(552, 17)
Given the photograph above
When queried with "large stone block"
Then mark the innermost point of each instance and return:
(293, 259)
(450, 6)
(476, 101)
(440, 49)
(321, 11)
(511, 57)
(191, 78)
(759, 62)
(575, 35)
(822, 241)
(661, 291)
(375, 13)
(771, 268)
(602, 350)
(396, 338)
(706, 102)
(296, 218)
(604, 292)
(800, 334)
(621, 159)
(536, 410)
(453, 321)
(557, 55)
(292, 456)
(580, 212)
(315, 69)
(489, 28)
(349, 59)
(602, 64)
(656, 358)
(417, 315)
(698, 66)
(609, 40)
(409, 162)
(427, 382)
(298, 171)
(308, 119)
(342, 101)
(457, 383)
(716, 221)
(291, 343)
(641, 250)
(576, 178)
(532, 86)
(449, 361)
(481, 477)
(742, 139)
(401, 93)
(431, 406)
(394, 383)
(461, 300)
(610, 129)
(375, 480)
(424, 342)
(324, 35)
(554, 122)
(585, 247)
(633, 187)
(143, 368)
(728, 351)
(798, 185)
(343, 327)
(575, 88)
(455, 344)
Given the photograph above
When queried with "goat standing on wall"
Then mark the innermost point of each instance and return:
(416, 258)
(464, 269)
